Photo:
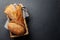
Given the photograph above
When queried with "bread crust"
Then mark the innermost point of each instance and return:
(16, 28)
(16, 24)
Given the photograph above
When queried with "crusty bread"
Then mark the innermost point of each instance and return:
(11, 11)
(16, 24)
(14, 12)
(16, 28)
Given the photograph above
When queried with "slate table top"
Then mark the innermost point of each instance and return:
(44, 20)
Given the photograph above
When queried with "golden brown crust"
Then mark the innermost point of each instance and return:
(16, 29)
(16, 14)
(16, 24)
(11, 12)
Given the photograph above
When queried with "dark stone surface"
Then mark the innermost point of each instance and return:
(44, 23)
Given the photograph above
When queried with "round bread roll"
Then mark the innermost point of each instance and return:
(16, 29)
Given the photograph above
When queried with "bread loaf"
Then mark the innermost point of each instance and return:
(16, 24)
(16, 29)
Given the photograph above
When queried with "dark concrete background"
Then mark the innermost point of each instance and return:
(44, 23)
